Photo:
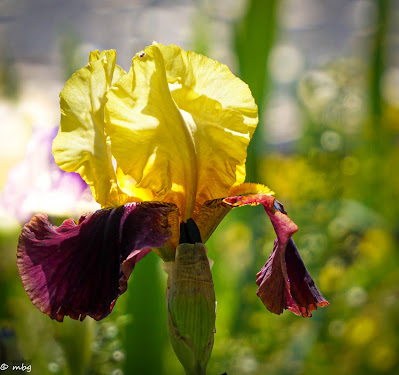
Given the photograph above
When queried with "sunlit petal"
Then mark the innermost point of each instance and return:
(81, 144)
(221, 112)
(149, 137)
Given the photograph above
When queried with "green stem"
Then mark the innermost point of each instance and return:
(377, 137)
(377, 65)
(75, 338)
(255, 36)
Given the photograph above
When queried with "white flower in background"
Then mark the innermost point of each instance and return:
(37, 184)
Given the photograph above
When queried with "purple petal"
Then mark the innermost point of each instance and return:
(81, 269)
(284, 282)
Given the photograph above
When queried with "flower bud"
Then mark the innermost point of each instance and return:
(191, 307)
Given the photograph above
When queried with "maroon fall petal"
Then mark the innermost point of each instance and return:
(81, 269)
(285, 283)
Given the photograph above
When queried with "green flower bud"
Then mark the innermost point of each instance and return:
(191, 307)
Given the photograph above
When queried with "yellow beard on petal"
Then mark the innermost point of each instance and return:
(250, 188)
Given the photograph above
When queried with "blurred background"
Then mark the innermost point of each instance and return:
(325, 75)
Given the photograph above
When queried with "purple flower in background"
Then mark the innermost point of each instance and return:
(38, 184)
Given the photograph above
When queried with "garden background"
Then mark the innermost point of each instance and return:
(325, 76)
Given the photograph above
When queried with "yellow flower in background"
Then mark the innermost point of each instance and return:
(163, 149)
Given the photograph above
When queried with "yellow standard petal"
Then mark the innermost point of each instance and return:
(222, 115)
(81, 144)
(179, 125)
(150, 140)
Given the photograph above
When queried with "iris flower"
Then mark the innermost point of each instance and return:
(163, 148)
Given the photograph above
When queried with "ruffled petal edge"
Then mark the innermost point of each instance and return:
(80, 269)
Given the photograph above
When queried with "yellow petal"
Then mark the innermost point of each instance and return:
(128, 185)
(149, 138)
(212, 79)
(81, 144)
(222, 114)
(221, 139)
(250, 188)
